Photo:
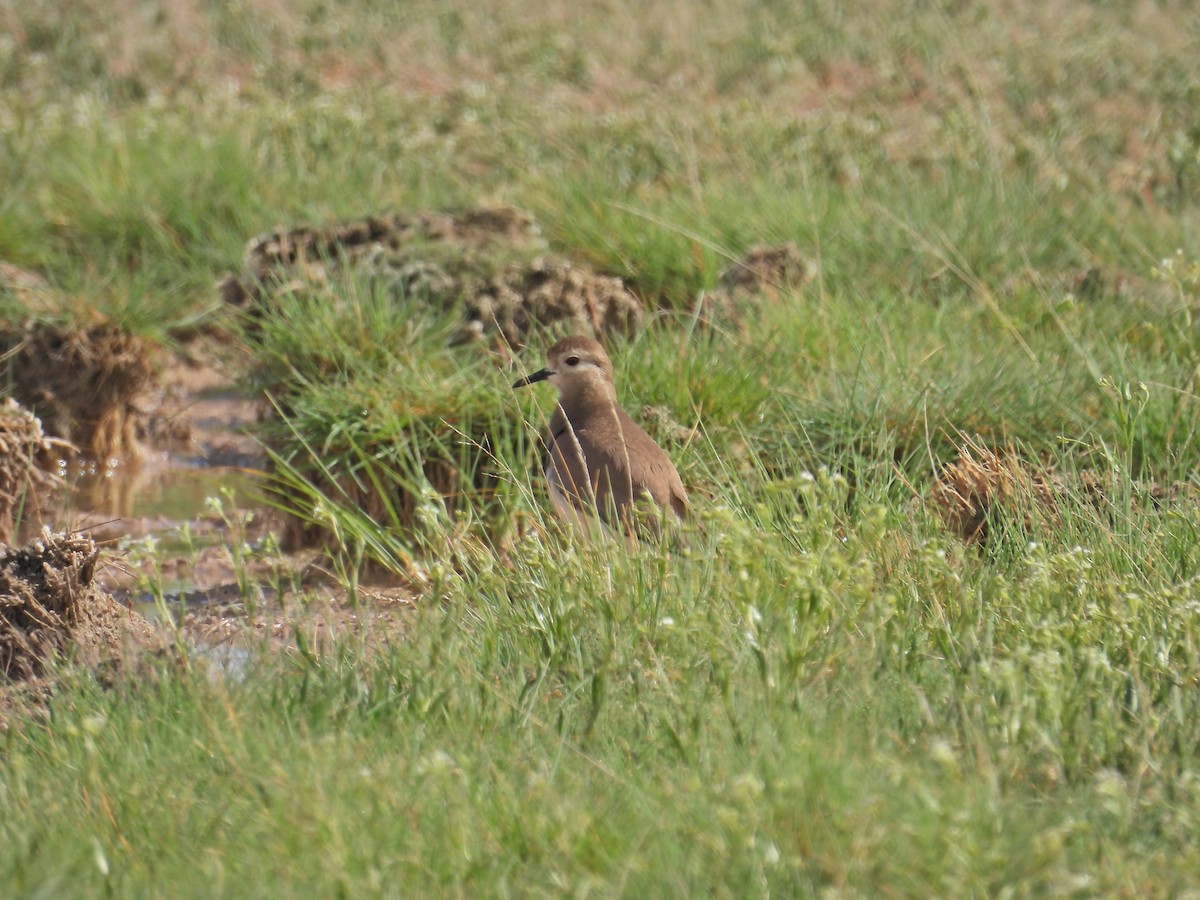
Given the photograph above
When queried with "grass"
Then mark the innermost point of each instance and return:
(819, 691)
(824, 710)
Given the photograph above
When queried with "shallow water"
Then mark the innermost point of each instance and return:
(166, 493)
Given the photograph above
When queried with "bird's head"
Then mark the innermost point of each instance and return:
(577, 366)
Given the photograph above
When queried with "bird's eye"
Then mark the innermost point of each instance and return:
(572, 360)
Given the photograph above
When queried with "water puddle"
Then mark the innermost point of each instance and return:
(182, 541)
(224, 659)
(159, 493)
(187, 538)
(182, 494)
(174, 598)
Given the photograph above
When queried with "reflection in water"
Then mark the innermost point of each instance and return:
(169, 494)
(225, 659)
(166, 500)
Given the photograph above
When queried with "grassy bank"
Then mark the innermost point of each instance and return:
(800, 704)
(824, 690)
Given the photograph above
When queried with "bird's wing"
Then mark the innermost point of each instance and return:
(657, 476)
(621, 465)
(565, 464)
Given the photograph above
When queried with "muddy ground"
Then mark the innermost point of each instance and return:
(169, 555)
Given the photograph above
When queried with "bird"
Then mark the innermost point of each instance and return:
(599, 461)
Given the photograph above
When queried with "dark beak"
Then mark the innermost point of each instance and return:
(533, 379)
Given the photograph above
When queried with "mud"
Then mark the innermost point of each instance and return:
(200, 414)
(228, 636)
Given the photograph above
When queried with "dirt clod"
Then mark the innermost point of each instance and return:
(82, 384)
(275, 262)
(49, 608)
(547, 294)
(764, 269)
(484, 261)
(352, 239)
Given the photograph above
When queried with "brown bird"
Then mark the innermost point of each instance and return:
(599, 459)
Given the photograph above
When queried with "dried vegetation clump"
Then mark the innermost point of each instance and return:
(552, 296)
(28, 464)
(981, 485)
(484, 259)
(284, 258)
(84, 384)
(764, 272)
(51, 609)
(1090, 285)
(766, 269)
(982, 488)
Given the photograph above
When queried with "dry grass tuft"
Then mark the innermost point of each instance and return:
(981, 486)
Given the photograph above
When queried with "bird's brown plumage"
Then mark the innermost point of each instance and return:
(599, 458)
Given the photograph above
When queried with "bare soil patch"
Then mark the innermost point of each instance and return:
(200, 412)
